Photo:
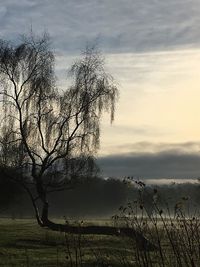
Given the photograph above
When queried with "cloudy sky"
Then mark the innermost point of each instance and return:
(152, 48)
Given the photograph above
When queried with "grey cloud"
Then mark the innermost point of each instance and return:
(123, 26)
(3, 11)
(170, 162)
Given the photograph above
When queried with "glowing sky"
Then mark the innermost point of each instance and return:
(152, 48)
(160, 94)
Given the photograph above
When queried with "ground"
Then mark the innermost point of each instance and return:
(24, 243)
(176, 243)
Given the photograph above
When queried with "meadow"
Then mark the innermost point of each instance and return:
(170, 240)
(24, 243)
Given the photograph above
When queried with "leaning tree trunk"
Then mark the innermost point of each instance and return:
(142, 242)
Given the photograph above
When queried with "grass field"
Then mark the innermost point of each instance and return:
(24, 243)
(176, 240)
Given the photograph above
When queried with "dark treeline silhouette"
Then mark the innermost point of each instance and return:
(97, 197)
(10, 191)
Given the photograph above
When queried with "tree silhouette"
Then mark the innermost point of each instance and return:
(46, 133)
(48, 136)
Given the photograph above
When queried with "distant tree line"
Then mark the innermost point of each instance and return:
(97, 197)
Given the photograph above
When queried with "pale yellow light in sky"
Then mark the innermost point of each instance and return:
(159, 100)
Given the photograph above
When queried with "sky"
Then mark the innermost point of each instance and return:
(152, 49)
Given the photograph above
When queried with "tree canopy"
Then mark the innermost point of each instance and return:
(47, 134)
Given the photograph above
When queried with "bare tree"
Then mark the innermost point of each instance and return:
(45, 130)
(48, 134)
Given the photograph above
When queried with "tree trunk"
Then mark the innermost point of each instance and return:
(142, 242)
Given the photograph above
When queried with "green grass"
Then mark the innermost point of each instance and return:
(24, 243)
